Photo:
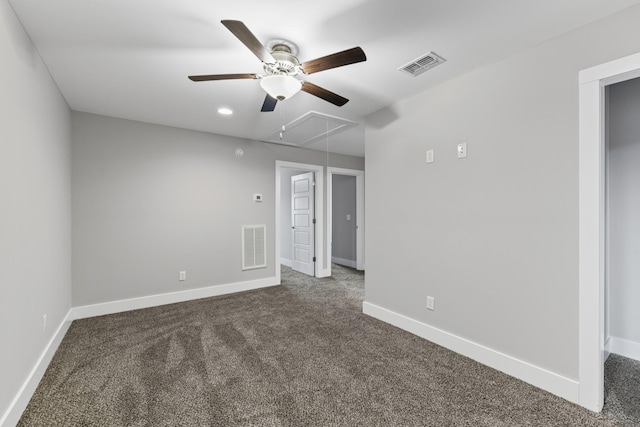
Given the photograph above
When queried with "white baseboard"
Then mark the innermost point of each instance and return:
(169, 298)
(625, 348)
(535, 375)
(286, 262)
(342, 261)
(607, 348)
(20, 402)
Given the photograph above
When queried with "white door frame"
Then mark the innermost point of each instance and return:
(359, 212)
(320, 215)
(592, 242)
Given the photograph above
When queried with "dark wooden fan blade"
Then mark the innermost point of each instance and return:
(269, 104)
(322, 93)
(245, 36)
(346, 57)
(222, 77)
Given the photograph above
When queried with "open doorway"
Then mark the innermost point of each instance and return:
(592, 222)
(286, 248)
(622, 231)
(345, 219)
(622, 246)
(344, 227)
(283, 217)
(303, 223)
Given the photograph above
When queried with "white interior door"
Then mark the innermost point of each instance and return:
(303, 223)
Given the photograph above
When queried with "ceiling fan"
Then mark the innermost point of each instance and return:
(281, 67)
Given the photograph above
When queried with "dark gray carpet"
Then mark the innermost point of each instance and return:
(622, 390)
(301, 354)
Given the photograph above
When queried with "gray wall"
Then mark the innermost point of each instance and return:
(35, 206)
(624, 210)
(344, 230)
(151, 200)
(493, 237)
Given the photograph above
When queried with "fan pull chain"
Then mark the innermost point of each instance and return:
(283, 130)
(327, 143)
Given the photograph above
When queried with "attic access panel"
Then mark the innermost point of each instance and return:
(308, 128)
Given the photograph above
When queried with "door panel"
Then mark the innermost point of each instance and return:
(301, 238)
(301, 203)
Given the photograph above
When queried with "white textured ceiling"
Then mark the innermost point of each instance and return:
(131, 58)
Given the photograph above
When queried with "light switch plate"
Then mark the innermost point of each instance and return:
(431, 302)
(430, 156)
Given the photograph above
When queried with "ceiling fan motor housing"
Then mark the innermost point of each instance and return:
(286, 63)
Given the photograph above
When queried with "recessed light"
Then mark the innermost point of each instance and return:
(225, 111)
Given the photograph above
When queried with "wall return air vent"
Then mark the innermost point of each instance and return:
(254, 246)
(422, 64)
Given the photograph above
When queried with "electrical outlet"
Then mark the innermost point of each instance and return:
(431, 303)
(462, 150)
(44, 323)
(183, 276)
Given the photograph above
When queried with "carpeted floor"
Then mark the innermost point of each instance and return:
(622, 390)
(301, 354)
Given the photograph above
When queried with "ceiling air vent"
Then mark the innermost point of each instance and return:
(422, 64)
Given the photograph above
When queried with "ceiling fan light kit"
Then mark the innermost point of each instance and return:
(281, 66)
(280, 86)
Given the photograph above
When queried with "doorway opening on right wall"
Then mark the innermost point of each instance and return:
(622, 240)
(593, 222)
